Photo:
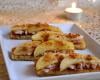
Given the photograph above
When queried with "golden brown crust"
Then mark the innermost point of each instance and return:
(48, 35)
(81, 45)
(77, 39)
(28, 37)
(21, 58)
(88, 63)
(36, 27)
(72, 35)
(24, 51)
(25, 31)
(54, 45)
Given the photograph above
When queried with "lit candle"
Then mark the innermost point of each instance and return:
(73, 12)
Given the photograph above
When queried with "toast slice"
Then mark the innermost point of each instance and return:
(53, 46)
(48, 61)
(24, 51)
(66, 64)
(25, 31)
(77, 39)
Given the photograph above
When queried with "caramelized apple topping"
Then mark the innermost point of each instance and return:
(71, 35)
(48, 57)
(72, 55)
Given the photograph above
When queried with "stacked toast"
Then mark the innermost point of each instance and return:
(53, 51)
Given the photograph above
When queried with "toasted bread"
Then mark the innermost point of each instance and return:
(77, 39)
(24, 51)
(69, 64)
(25, 31)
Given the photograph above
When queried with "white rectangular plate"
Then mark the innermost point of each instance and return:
(23, 70)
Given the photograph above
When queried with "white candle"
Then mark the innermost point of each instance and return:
(73, 12)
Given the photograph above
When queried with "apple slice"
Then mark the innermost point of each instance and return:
(53, 45)
(46, 60)
(66, 62)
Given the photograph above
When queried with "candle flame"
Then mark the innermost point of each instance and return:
(74, 5)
